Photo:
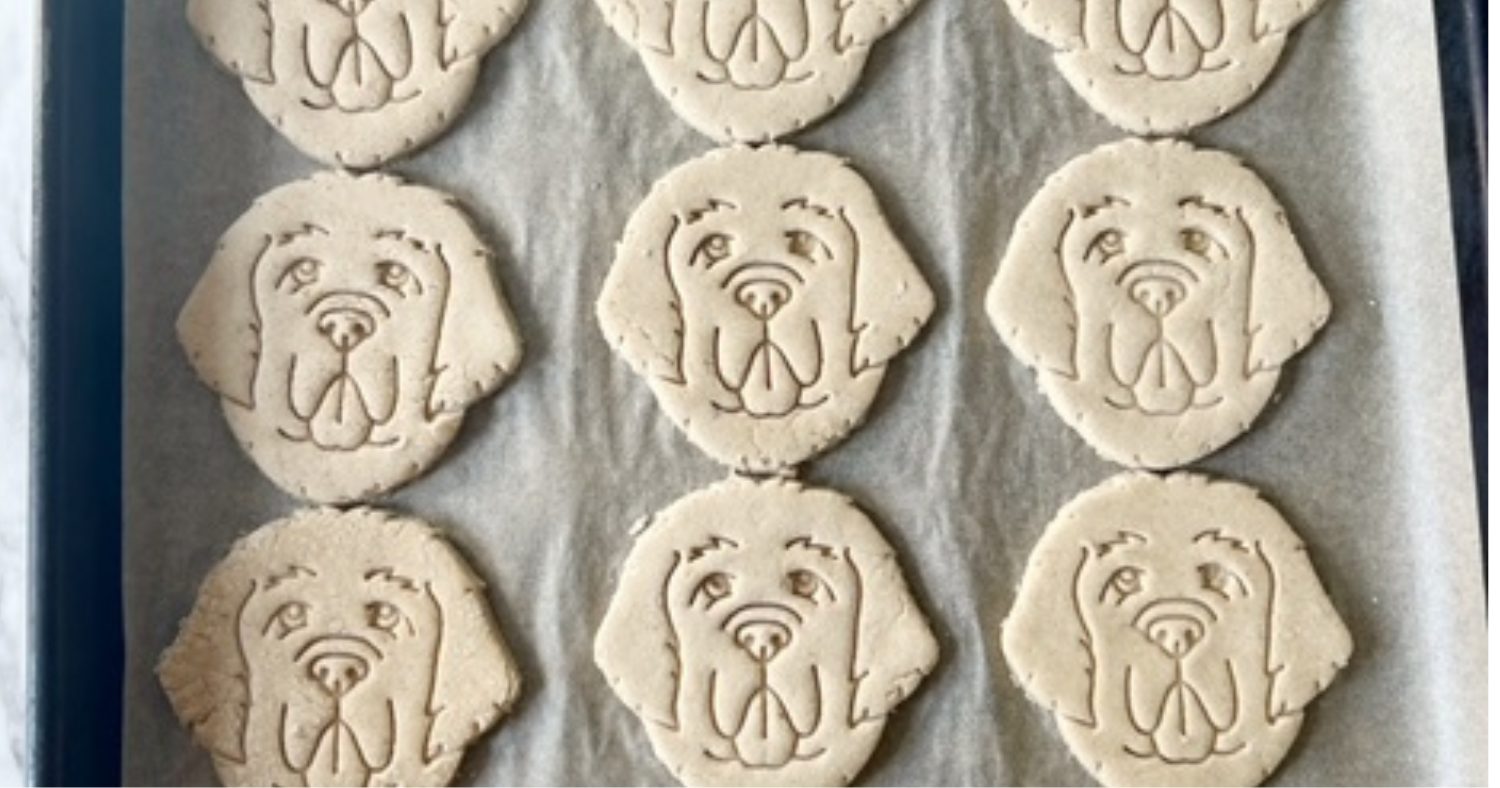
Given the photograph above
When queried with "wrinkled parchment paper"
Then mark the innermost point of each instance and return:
(959, 118)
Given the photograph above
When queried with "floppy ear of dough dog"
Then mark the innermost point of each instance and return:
(762, 632)
(1157, 290)
(339, 648)
(347, 322)
(1176, 629)
(761, 294)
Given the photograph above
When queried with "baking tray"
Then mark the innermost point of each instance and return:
(79, 657)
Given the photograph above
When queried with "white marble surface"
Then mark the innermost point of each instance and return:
(18, 19)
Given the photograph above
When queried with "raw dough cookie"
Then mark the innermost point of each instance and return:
(761, 293)
(1176, 629)
(347, 322)
(1164, 66)
(339, 648)
(355, 82)
(1157, 290)
(753, 71)
(762, 632)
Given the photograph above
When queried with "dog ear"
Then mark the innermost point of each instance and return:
(1309, 642)
(636, 647)
(1287, 302)
(237, 32)
(866, 21)
(891, 299)
(642, 23)
(479, 346)
(895, 648)
(1280, 16)
(1029, 302)
(1044, 640)
(203, 672)
(477, 680)
(1058, 22)
(472, 27)
(638, 309)
(219, 326)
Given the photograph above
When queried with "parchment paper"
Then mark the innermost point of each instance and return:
(959, 118)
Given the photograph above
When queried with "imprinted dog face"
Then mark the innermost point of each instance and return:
(348, 322)
(355, 82)
(761, 293)
(1164, 66)
(1177, 629)
(325, 651)
(1157, 290)
(753, 71)
(763, 632)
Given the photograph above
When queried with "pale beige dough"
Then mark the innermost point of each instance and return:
(339, 648)
(1176, 629)
(347, 322)
(762, 631)
(1157, 290)
(761, 294)
(753, 70)
(1164, 66)
(355, 83)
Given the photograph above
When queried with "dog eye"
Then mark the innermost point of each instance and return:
(1195, 241)
(713, 588)
(398, 277)
(805, 244)
(711, 250)
(803, 583)
(1224, 582)
(288, 618)
(383, 616)
(301, 273)
(1108, 243)
(1125, 582)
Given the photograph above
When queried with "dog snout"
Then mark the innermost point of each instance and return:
(338, 673)
(1176, 626)
(346, 327)
(1158, 295)
(763, 297)
(763, 640)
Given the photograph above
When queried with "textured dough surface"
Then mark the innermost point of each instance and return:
(1157, 290)
(1164, 66)
(355, 83)
(339, 648)
(346, 322)
(761, 293)
(753, 70)
(1176, 629)
(762, 632)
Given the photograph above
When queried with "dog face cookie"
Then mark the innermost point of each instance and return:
(354, 83)
(1157, 290)
(1164, 66)
(753, 71)
(761, 293)
(339, 648)
(347, 322)
(1176, 629)
(762, 632)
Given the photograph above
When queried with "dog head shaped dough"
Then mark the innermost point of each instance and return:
(761, 294)
(347, 322)
(753, 70)
(1164, 66)
(339, 648)
(762, 632)
(1157, 290)
(1176, 628)
(355, 83)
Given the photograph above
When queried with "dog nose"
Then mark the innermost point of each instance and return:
(763, 639)
(1175, 634)
(338, 673)
(763, 297)
(1158, 295)
(346, 327)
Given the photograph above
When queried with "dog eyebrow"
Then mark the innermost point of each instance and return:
(1199, 201)
(714, 543)
(386, 574)
(1123, 539)
(806, 543)
(398, 234)
(293, 571)
(714, 204)
(805, 204)
(1109, 201)
(307, 228)
(1218, 537)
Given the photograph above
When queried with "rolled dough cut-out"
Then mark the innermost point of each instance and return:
(1157, 290)
(347, 322)
(355, 83)
(339, 648)
(1176, 629)
(761, 293)
(1164, 66)
(753, 71)
(762, 631)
